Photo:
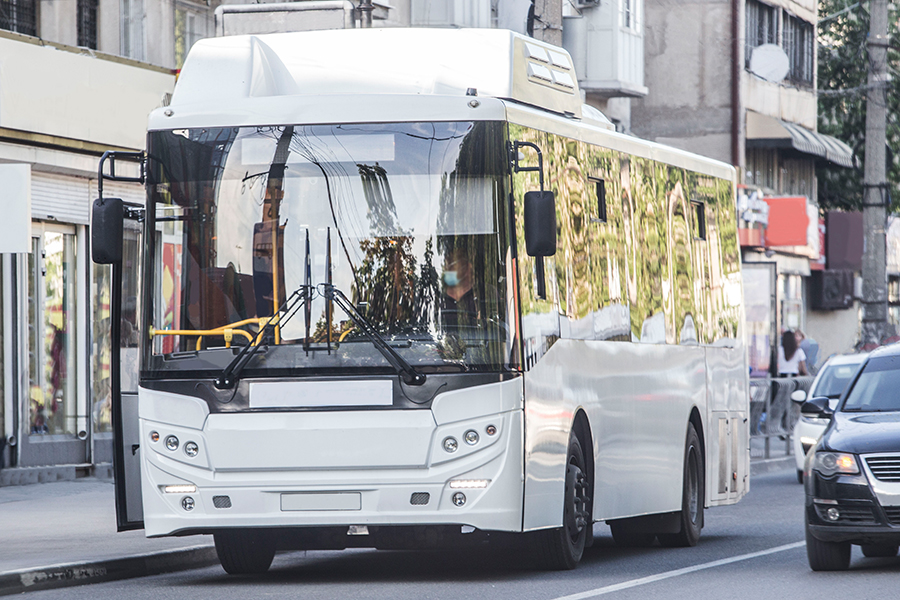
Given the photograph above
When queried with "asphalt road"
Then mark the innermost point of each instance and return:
(752, 550)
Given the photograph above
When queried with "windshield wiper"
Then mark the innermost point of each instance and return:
(406, 371)
(232, 372)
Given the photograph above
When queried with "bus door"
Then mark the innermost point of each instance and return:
(116, 241)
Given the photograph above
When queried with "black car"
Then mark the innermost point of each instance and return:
(853, 475)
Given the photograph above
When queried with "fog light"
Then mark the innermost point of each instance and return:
(172, 443)
(459, 499)
(490, 430)
(187, 503)
(450, 444)
(832, 514)
(468, 484)
(180, 489)
(154, 436)
(191, 449)
(471, 437)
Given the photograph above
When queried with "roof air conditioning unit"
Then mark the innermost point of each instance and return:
(831, 289)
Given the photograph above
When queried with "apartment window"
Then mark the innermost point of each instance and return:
(799, 45)
(630, 17)
(87, 23)
(132, 37)
(600, 193)
(190, 26)
(698, 226)
(19, 16)
(762, 26)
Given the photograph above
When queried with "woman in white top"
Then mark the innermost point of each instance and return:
(791, 358)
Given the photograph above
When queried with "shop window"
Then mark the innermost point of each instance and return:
(52, 307)
(894, 299)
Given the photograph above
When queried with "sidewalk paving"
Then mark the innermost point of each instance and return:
(64, 533)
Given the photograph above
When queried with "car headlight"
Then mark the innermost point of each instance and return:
(829, 463)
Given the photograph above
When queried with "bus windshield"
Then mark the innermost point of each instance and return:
(406, 220)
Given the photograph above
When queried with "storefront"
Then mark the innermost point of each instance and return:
(54, 302)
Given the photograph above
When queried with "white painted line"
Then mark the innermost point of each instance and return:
(677, 572)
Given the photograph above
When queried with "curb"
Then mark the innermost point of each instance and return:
(758, 467)
(72, 574)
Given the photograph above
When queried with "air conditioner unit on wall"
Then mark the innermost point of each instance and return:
(831, 289)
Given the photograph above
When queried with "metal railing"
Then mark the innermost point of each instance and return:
(772, 414)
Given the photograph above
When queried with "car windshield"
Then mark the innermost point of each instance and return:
(878, 387)
(834, 380)
(405, 219)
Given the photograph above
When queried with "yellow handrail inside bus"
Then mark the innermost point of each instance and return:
(226, 332)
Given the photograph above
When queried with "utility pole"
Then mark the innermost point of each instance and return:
(548, 21)
(874, 267)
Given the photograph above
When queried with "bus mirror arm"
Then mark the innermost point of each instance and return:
(405, 370)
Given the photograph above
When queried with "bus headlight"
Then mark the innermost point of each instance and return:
(172, 443)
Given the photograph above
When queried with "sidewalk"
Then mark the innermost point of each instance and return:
(64, 533)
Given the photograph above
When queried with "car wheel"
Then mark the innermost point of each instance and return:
(692, 496)
(627, 537)
(245, 551)
(879, 550)
(826, 556)
(562, 548)
(799, 475)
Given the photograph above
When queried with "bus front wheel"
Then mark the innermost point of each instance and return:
(562, 548)
(245, 551)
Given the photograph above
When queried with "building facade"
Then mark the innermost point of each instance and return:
(61, 107)
(736, 80)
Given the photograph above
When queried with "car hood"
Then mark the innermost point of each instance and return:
(863, 433)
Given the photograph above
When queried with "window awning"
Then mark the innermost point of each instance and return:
(768, 132)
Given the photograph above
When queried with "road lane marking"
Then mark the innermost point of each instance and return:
(677, 572)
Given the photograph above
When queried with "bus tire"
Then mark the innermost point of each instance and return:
(692, 495)
(245, 551)
(561, 548)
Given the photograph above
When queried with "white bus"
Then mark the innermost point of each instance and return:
(401, 287)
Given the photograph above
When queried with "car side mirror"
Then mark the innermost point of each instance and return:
(799, 396)
(817, 407)
(540, 223)
(107, 225)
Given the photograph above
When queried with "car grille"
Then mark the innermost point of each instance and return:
(884, 468)
(893, 514)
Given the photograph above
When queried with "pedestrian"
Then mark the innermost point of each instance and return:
(810, 348)
(791, 358)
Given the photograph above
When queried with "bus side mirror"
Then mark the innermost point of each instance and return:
(540, 223)
(107, 222)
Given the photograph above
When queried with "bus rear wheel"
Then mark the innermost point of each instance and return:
(245, 551)
(692, 495)
(562, 548)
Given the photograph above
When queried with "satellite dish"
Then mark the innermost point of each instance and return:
(770, 62)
